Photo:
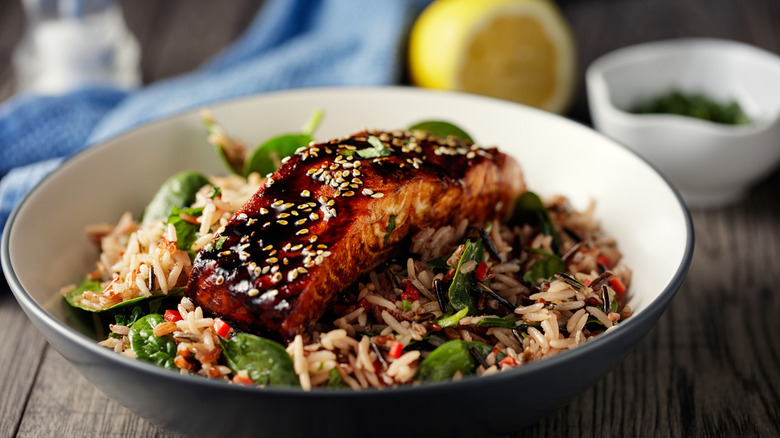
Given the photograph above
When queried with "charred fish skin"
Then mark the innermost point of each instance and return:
(335, 210)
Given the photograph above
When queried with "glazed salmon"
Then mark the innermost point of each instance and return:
(334, 211)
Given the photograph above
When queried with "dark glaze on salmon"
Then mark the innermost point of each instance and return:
(322, 219)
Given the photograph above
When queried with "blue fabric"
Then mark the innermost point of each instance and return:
(290, 44)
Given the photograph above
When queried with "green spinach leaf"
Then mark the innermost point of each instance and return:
(266, 361)
(390, 227)
(148, 347)
(377, 149)
(177, 191)
(544, 267)
(186, 232)
(441, 129)
(265, 158)
(462, 284)
(530, 209)
(450, 357)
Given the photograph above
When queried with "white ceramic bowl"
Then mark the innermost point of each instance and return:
(44, 248)
(711, 164)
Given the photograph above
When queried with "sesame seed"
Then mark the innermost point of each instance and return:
(251, 221)
(321, 246)
(281, 222)
(314, 216)
(266, 269)
(271, 260)
(318, 260)
(257, 271)
(332, 212)
(287, 247)
(308, 264)
(349, 193)
(220, 280)
(273, 252)
(241, 216)
(302, 232)
(331, 203)
(313, 239)
(274, 269)
(277, 203)
(305, 193)
(471, 155)
(297, 247)
(284, 215)
(300, 221)
(269, 181)
(276, 277)
(270, 294)
(367, 192)
(285, 261)
(253, 292)
(294, 212)
(266, 225)
(292, 275)
(323, 199)
(378, 195)
(263, 211)
(288, 205)
(226, 252)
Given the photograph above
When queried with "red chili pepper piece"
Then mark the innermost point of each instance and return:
(172, 315)
(586, 282)
(242, 380)
(410, 293)
(481, 271)
(364, 304)
(618, 285)
(396, 349)
(508, 360)
(221, 328)
(604, 260)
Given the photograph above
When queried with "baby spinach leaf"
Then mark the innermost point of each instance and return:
(94, 286)
(334, 379)
(377, 149)
(441, 129)
(529, 209)
(148, 347)
(231, 151)
(186, 232)
(545, 267)
(177, 191)
(450, 357)
(462, 284)
(265, 158)
(266, 361)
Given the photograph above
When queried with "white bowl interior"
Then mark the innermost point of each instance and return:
(47, 248)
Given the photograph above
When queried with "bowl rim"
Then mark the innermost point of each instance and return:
(599, 94)
(626, 329)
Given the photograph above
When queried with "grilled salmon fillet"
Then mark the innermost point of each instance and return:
(334, 211)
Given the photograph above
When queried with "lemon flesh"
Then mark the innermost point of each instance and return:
(519, 50)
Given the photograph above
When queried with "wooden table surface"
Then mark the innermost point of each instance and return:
(710, 367)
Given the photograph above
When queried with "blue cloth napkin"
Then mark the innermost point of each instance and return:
(290, 44)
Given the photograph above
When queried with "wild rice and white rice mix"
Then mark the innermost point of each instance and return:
(536, 294)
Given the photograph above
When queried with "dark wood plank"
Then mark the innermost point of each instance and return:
(64, 404)
(21, 348)
(11, 29)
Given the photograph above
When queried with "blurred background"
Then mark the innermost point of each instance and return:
(176, 36)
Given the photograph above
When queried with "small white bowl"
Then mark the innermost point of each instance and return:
(711, 164)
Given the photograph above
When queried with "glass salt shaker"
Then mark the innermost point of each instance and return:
(69, 44)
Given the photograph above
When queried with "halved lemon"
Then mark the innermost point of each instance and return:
(519, 50)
